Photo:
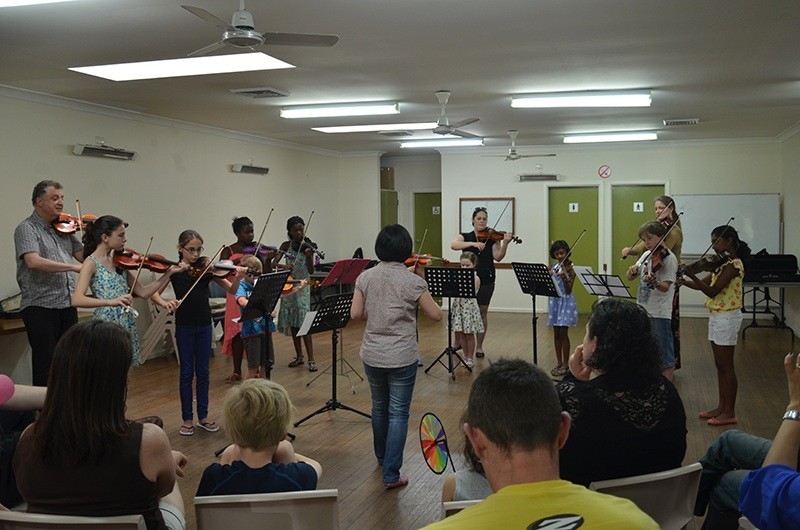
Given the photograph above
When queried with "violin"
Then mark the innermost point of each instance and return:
(290, 283)
(423, 260)
(495, 235)
(218, 269)
(262, 252)
(66, 224)
(129, 259)
(313, 246)
(704, 264)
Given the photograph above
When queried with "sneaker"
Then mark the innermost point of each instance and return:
(401, 481)
(419, 362)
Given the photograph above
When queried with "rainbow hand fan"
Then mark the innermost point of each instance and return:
(433, 441)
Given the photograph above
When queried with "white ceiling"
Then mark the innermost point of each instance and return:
(734, 64)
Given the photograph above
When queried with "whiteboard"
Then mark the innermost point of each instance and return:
(756, 219)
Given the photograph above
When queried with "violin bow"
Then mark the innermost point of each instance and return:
(419, 249)
(560, 264)
(728, 224)
(670, 205)
(649, 257)
(305, 233)
(139, 269)
(200, 277)
(80, 223)
(258, 243)
(496, 222)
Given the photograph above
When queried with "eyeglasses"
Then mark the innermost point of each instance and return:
(192, 250)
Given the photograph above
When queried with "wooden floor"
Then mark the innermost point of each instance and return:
(342, 440)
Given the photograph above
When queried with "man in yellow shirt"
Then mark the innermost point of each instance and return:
(516, 427)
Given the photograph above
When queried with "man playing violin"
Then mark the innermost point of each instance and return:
(46, 261)
(488, 252)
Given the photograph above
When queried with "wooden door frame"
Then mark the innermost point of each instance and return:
(600, 213)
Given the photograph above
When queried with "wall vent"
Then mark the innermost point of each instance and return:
(260, 92)
(537, 178)
(681, 121)
(244, 168)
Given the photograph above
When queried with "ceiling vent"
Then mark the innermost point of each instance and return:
(681, 121)
(261, 92)
(244, 168)
(396, 134)
(537, 178)
(103, 151)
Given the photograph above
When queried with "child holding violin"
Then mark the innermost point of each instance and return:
(466, 313)
(562, 311)
(725, 298)
(255, 332)
(193, 326)
(657, 270)
(109, 282)
(299, 252)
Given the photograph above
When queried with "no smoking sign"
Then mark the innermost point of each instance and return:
(604, 171)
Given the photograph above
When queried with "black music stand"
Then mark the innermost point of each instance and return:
(344, 271)
(604, 285)
(452, 283)
(535, 278)
(333, 314)
(262, 302)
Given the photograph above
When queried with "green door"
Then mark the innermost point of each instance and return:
(573, 210)
(428, 215)
(388, 207)
(631, 207)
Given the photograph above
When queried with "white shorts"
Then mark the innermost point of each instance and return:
(723, 328)
(173, 518)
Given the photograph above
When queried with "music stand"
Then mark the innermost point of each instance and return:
(452, 283)
(333, 314)
(534, 278)
(344, 271)
(604, 284)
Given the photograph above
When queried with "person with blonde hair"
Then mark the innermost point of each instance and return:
(260, 460)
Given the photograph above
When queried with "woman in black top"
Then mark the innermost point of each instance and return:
(488, 252)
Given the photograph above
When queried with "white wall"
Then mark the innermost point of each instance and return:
(684, 168)
(790, 159)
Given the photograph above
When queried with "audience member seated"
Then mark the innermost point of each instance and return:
(17, 403)
(770, 496)
(468, 483)
(515, 425)
(82, 457)
(627, 419)
(257, 417)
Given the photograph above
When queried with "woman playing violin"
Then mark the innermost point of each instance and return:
(657, 270)
(488, 251)
(109, 284)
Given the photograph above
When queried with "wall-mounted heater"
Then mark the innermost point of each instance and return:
(103, 151)
(537, 178)
(244, 168)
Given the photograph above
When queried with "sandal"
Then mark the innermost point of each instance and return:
(235, 377)
(479, 354)
(186, 430)
(559, 371)
(297, 362)
(210, 426)
(312, 366)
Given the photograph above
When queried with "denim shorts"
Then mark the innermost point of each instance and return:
(723, 328)
(662, 329)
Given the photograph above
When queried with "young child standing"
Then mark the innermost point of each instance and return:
(300, 259)
(657, 274)
(724, 301)
(387, 296)
(260, 460)
(255, 332)
(110, 285)
(193, 328)
(562, 312)
(466, 315)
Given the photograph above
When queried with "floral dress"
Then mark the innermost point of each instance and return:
(562, 310)
(466, 314)
(107, 285)
(295, 306)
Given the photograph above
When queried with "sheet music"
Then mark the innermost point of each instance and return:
(616, 287)
(307, 321)
(580, 270)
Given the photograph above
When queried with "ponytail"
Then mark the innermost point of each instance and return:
(94, 230)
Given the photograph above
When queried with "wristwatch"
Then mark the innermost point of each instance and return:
(792, 415)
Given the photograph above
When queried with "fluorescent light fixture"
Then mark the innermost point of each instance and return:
(376, 128)
(624, 98)
(374, 108)
(455, 142)
(16, 3)
(630, 136)
(217, 64)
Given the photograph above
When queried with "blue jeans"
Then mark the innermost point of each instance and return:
(391, 389)
(726, 462)
(194, 349)
(662, 329)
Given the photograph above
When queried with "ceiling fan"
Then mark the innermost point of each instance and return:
(443, 125)
(241, 33)
(512, 152)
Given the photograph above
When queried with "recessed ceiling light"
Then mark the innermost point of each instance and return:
(16, 3)
(629, 136)
(373, 108)
(217, 64)
(599, 98)
(376, 128)
(455, 142)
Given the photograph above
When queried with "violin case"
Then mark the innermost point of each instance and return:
(765, 268)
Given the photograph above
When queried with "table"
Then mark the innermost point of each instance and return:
(762, 289)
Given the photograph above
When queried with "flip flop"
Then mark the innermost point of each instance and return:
(296, 362)
(705, 415)
(186, 430)
(209, 426)
(479, 354)
(716, 422)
